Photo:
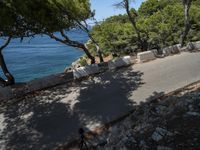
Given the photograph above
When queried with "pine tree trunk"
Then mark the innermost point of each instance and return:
(75, 44)
(10, 78)
(187, 4)
(97, 47)
(132, 20)
(100, 54)
(82, 46)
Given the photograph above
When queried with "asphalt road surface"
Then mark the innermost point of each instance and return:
(52, 117)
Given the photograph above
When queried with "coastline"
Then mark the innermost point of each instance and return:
(39, 57)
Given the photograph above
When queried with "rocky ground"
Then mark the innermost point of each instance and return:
(170, 123)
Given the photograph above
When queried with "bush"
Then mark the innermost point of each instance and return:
(83, 61)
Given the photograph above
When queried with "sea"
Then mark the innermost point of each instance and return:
(40, 56)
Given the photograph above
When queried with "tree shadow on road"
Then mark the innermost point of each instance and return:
(169, 119)
(108, 95)
(44, 121)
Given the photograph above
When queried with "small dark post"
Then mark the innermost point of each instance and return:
(82, 143)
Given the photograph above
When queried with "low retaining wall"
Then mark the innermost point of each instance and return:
(35, 85)
(12, 92)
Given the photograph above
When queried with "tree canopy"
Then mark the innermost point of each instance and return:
(12, 25)
(21, 18)
(50, 16)
(160, 22)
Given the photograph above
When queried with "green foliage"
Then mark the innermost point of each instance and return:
(194, 33)
(115, 35)
(164, 27)
(83, 61)
(150, 7)
(11, 23)
(52, 15)
(160, 22)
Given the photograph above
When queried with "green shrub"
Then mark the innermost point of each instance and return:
(83, 61)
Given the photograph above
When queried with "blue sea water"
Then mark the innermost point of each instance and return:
(40, 56)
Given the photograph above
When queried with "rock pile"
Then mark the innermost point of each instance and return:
(168, 124)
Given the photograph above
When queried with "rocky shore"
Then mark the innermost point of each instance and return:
(171, 123)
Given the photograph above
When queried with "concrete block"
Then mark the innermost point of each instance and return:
(197, 45)
(86, 71)
(128, 60)
(146, 56)
(155, 51)
(167, 51)
(175, 49)
(179, 47)
(171, 50)
(120, 62)
(190, 46)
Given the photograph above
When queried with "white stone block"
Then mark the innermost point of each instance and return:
(86, 71)
(166, 51)
(146, 56)
(120, 62)
(197, 45)
(155, 51)
(190, 46)
(175, 49)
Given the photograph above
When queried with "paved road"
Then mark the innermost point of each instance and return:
(52, 117)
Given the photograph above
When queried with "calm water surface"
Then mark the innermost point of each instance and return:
(40, 56)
